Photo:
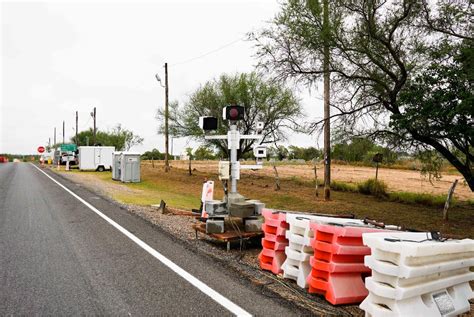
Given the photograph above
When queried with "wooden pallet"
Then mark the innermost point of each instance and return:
(228, 236)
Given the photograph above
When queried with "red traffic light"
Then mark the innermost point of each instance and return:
(234, 113)
(41, 149)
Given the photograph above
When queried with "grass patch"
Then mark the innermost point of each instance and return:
(418, 198)
(379, 189)
(344, 187)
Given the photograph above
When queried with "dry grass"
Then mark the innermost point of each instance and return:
(396, 180)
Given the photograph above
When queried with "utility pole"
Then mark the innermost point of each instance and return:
(327, 128)
(54, 137)
(63, 130)
(94, 115)
(167, 165)
(77, 126)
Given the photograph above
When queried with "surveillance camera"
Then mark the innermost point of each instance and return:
(208, 123)
(260, 152)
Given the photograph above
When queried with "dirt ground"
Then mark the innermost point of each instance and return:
(396, 179)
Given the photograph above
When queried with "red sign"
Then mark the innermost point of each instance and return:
(40, 149)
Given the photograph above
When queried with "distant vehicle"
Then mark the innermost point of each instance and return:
(98, 158)
(68, 156)
(3, 159)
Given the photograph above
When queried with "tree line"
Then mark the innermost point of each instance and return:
(119, 137)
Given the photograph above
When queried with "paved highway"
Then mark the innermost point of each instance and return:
(62, 254)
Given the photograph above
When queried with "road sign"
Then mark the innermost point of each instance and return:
(68, 147)
(40, 149)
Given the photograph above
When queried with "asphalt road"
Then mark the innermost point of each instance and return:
(59, 257)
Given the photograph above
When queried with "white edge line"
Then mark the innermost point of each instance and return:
(214, 295)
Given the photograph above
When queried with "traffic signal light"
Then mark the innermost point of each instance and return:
(233, 113)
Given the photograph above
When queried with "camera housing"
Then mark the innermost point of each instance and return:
(260, 151)
(208, 123)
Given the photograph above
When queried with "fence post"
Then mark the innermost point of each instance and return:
(448, 200)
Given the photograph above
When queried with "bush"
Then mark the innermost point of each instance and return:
(373, 187)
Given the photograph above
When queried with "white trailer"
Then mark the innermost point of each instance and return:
(98, 158)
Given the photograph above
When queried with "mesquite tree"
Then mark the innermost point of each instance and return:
(264, 101)
(402, 71)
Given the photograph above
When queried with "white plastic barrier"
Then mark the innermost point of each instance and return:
(299, 250)
(414, 275)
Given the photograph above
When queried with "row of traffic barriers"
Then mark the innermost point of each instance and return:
(274, 241)
(338, 269)
(416, 274)
(348, 261)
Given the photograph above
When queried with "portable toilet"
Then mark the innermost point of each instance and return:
(130, 167)
(116, 159)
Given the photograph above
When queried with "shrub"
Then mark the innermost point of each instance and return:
(373, 187)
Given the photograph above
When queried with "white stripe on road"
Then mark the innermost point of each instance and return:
(220, 299)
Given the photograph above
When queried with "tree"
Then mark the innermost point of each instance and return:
(154, 154)
(302, 153)
(120, 138)
(401, 70)
(264, 101)
(203, 153)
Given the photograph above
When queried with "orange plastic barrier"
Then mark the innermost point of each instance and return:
(274, 241)
(338, 269)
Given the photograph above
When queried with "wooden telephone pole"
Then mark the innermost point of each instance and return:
(167, 164)
(94, 116)
(64, 125)
(77, 125)
(327, 128)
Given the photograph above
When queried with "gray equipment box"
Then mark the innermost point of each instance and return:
(116, 159)
(130, 167)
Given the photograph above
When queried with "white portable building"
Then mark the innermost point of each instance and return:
(130, 167)
(98, 158)
(117, 157)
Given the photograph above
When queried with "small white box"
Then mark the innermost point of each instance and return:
(224, 170)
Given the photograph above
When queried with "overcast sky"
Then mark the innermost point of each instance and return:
(61, 57)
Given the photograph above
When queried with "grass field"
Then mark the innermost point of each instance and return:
(179, 190)
(397, 180)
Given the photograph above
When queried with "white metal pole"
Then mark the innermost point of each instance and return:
(233, 139)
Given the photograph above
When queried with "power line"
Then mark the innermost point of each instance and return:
(208, 53)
